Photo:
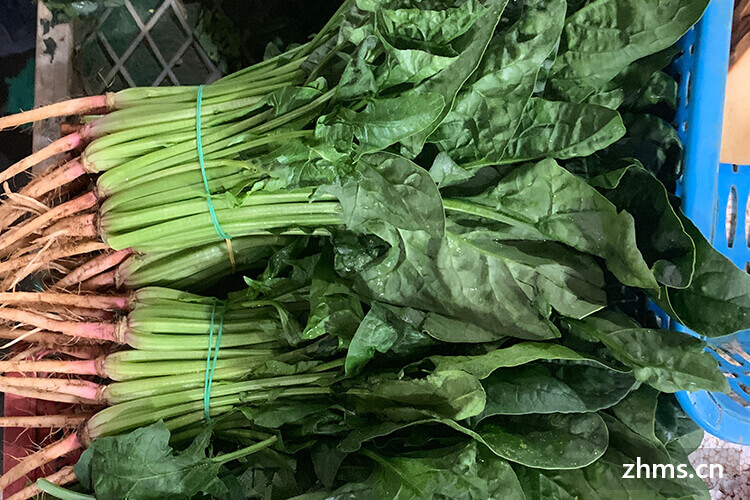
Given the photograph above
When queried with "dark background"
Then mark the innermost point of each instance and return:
(17, 40)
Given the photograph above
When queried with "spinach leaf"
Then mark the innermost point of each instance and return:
(452, 278)
(276, 414)
(556, 441)
(549, 273)
(557, 205)
(389, 189)
(489, 108)
(718, 287)
(435, 27)
(667, 360)
(334, 307)
(386, 329)
(661, 88)
(383, 122)
(674, 426)
(554, 388)
(634, 82)
(141, 464)
(605, 36)
(483, 365)
(562, 130)
(660, 234)
(636, 445)
(653, 142)
(449, 394)
(290, 98)
(464, 471)
(638, 412)
(408, 66)
(603, 480)
(358, 78)
(449, 81)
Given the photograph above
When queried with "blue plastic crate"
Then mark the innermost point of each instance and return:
(706, 189)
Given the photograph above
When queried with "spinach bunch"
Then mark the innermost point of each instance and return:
(504, 175)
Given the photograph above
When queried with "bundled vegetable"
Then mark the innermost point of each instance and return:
(356, 380)
(462, 202)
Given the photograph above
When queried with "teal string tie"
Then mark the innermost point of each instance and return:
(202, 163)
(213, 355)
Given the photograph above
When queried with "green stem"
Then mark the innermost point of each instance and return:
(456, 205)
(199, 266)
(156, 341)
(125, 416)
(116, 223)
(60, 492)
(198, 229)
(243, 452)
(102, 143)
(336, 363)
(218, 172)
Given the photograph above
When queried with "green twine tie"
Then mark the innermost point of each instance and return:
(202, 163)
(211, 360)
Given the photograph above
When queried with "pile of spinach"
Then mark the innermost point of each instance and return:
(504, 170)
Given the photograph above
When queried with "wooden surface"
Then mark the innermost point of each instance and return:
(53, 79)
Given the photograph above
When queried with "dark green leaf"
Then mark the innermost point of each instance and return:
(489, 108)
(483, 365)
(409, 66)
(605, 36)
(290, 98)
(638, 412)
(673, 425)
(461, 472)
(557, 205)
(660, 89)
(551, 129)
(446, 172)
(438, 27)
(384, 121)
(667, 360)
(634, 82)
(326, 459)
(274, 415)
(603, 480)
(554, 388)
(389, 189)
(557, 441)
(334, 307)
(549, 273)
(386, 329)
(450, 394)
(659, 232)
(717, 302)
(358, 78)
(448, 82)
(142, 465)
(452, 278)
(634, 444)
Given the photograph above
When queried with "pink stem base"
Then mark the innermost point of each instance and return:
(95, 266)
(62, 145)
(64, 476)
(97, 331)
(66, 299)
(74, 206)
(58, 449)
(86, 367)
(82, 106)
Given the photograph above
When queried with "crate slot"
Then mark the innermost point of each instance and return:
(730, 221)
